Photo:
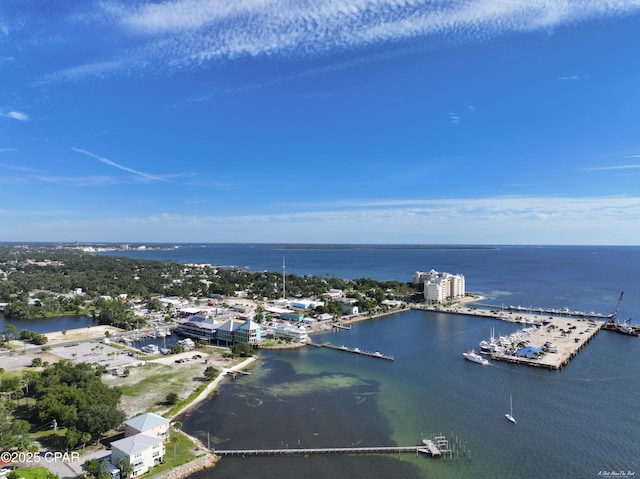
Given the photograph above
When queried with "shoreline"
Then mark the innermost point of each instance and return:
(212, 386)
(208, 459)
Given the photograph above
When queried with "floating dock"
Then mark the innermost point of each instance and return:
(374, 354)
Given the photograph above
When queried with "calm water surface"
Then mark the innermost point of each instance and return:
(580, 422)
(575, 422)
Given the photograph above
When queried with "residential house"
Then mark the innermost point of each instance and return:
(142, 451)
(148, 423)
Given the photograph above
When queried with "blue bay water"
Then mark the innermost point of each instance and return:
(580, 422)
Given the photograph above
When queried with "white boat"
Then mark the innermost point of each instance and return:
(509, 415)
(472, 356)
(150, 349)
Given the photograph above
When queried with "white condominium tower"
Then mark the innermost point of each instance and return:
(440, 287)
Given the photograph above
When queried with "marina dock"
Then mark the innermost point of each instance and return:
(559, 340)
(555, 336)
(374, 354)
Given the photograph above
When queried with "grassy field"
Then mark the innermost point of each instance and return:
(36, 473)
(146, 388)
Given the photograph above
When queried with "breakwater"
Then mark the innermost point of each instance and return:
(185, 470)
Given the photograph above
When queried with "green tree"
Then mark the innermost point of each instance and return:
(97, 469)
(10, 331)
(99, 418)
(126, 470)
(172, 398)
(72, 437)
(242, 350)
(210, 373)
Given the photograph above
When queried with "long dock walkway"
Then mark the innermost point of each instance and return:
(373, 354)
(428, 448)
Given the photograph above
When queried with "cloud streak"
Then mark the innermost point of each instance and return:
(15, 115)
(613, 168)
(179, 34)
(141, 174)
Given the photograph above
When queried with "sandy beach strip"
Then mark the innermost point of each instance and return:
(213, 385)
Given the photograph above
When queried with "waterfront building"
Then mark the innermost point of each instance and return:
(227, 329)
(350, 309)
(198, 327)
(149, 423)
(290, 332)
(143, 444)
(440, 287)
(233, 330)
(248, 333)
(142, 451)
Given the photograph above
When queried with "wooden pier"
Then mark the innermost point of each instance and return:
(373, 354)
(428, 447)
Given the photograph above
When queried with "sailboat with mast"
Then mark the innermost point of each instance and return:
(509, 415)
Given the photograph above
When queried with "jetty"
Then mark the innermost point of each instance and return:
(362, 352)
(566, 312)
(435, 447)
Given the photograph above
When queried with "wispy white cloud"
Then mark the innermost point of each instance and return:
(186, 33)
(614, 167)
(24, 169)
(4, 28)
(491, 220)
(106, 161)
(16, 115)
(570, 78)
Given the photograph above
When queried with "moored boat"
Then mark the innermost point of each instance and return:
(627, 329)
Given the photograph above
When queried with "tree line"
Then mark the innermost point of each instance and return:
(41, 281)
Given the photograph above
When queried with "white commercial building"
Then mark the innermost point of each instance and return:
(284, 330)
(441, 287)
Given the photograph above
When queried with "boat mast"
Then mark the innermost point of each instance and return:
(284, 287)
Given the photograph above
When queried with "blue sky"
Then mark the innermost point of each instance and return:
(352, 121)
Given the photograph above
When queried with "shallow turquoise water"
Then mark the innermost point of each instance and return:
(575, 422)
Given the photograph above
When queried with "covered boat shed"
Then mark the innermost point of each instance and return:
(529, 352)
